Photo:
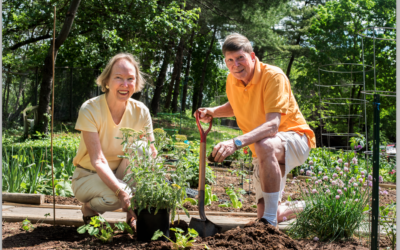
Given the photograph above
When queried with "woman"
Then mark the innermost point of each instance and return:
(97, 180)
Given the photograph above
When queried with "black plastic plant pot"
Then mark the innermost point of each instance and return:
(148, 223)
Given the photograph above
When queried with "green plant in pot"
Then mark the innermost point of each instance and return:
(154, 197)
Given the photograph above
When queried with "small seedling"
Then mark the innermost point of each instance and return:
(182, 241)
(27, 225)
(102, 230)
(235, 201)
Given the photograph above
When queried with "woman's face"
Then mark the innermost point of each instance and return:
(122, 81)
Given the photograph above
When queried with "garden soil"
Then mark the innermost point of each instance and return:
(253, 236)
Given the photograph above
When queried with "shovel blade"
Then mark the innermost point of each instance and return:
(204, 228)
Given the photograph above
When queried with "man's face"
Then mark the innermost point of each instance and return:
(240, 64)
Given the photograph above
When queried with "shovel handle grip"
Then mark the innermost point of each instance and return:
(203, 134)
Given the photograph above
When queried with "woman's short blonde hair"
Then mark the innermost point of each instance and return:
(104, 77)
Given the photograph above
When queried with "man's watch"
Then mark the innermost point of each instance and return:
(238, 143)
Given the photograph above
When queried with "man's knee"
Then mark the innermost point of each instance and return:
(265, 146)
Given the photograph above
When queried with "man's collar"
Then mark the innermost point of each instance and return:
(256, 76)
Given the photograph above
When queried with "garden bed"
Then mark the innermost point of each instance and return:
(226, 179)
(255, 236)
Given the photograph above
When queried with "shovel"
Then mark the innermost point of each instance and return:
(203, 226)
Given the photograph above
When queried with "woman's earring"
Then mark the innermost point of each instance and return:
(107, 87)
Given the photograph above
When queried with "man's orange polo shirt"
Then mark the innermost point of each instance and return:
(269, 91)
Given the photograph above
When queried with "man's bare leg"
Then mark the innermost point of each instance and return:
(270, 152)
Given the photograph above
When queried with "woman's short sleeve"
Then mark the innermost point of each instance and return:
(86, 120)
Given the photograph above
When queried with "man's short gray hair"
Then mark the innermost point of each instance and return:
(236, 42)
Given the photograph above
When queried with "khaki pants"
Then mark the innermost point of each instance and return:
(296, 153)
(88, 187)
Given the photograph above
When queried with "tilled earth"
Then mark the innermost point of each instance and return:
(252, 236)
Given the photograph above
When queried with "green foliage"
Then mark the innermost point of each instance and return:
(26, 225)
(182, 241)
(101, 229)
(388, 216)
(235, 200)
(150, 176)
(336, 199)
(209, 197)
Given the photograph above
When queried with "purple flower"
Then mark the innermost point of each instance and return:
(337, 169)
(355, 185)
(316, 239)
(301, 171)
(341, 173)
(370, 183)
(362, 176)
(305, 190)
(284, 218)
(354, 160)
(385, 192)
(334, 183)
(327, 191)
(316, 182)
(339, 191)
(345, 189)
(380, 192)
(337, 197)
(334, 175)
(356, 200)
(354, 192)
(370, 177)
(346, 164)
(340, 161)
(311, 167)
(319, 172)
(355, 147)
(362, 172)
(308, 173)
(293, 182)
(360, 180)
(325, 178)
(346, 169)
(314, 191)
(380, 179)
(344, 202)
(359, 147)
(310, 162)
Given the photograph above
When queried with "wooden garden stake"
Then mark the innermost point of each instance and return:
(52, 121)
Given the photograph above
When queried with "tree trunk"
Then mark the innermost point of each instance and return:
(7, 94)
(289, 68)
(177, 68)
(47, 71)
(189, 60)
(198, 102)
(160, 82)
(175, 96)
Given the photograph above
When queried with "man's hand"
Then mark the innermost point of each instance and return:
(223, 150)
(205, 114)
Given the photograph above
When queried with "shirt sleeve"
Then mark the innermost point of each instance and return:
(86, 120)
(276, 95)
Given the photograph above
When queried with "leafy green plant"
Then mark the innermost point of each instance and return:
(101, 229)
(182, 241)
(335, 204)
(235, 201)
(151, 177)
(209, 197)
(26, 225)
(388, 221)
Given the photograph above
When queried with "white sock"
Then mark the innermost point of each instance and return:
(271, 207)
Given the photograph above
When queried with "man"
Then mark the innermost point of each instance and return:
(261, 99)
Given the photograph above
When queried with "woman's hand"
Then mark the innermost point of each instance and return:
(125, 200)
(154, 151)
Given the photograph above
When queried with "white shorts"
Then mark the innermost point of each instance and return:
(296, 153)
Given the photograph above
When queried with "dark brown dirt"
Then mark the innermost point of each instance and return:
(62, 200)
(253, 236)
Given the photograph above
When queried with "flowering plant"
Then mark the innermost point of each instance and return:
(335, 204)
